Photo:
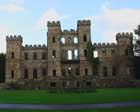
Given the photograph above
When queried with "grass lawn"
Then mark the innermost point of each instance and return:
(43, 97)
(124, 109)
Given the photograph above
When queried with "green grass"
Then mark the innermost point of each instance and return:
(124, 109)
(43, 97)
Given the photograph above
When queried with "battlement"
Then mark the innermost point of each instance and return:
(124, 35)
(104, 45)
(53, 23)
(71, 31)
(14, 38)
(35, 46)
(83, 22)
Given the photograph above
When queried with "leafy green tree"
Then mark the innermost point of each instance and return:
(90, 56)
(2, 67)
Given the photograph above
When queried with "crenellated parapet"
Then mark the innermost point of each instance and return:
(103, 45)
(53, 23)
(35, 47)
(83, 22)
(124, 35)
(14, 38)
(67, 32)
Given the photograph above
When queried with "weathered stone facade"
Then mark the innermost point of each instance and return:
(62, 63)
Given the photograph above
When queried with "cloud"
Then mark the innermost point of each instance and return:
(49, 15)
(111, 21)
(12, 8)
(17, 1)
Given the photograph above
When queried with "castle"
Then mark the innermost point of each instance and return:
(63, 63)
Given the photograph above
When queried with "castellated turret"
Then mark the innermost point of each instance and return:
(13, 57)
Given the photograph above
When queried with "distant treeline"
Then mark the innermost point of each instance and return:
(2, 67)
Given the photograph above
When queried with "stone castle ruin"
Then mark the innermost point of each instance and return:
(63, 63)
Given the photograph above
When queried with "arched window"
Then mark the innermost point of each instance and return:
(84, 38)
(63, 40)
(26, 74)
(12, 74)
(53, 40)
(75, 40)
(69, 55)
(75, 54)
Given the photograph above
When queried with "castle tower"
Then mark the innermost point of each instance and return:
(84, 34)
(13, 58)
(54, 51)
(125, 54)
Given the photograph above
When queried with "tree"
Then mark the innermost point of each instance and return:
(137, 41)
(90, 56)
(2, 67)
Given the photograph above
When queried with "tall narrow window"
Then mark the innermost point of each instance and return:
(86, 71)
(113, 71)
(12, 74)
(26, 74)
(63, 72)
(85, 38)
(54, 54)
(95, 54)
(43, 55)
(12, 55)
(35, 73)
(75, 54)
(63, 40)
(54, 73)
(53, 40)
(77, 71)
(44, 73)
(26, 56)
(105, 72)
(85, 53)
(75, 40)
(126, 52)
(69, 55)
(35, 56)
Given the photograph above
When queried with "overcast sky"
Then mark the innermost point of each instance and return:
(29, 18)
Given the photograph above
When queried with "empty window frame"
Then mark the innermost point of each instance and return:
(85, 38)
(26, 56)
(63, 40)
(53, 39)
(26, 74)
(85, 52)
(54, 73)
(12, 74)
(34, 73)
(76, 54)
(105, 71)
(34, 55)
(86, 71)
(75, 40)
(44, 72)
(12, 55)
(113, 71)
(69, 55)
(54, 54)
(95, 54)
(44, 55)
